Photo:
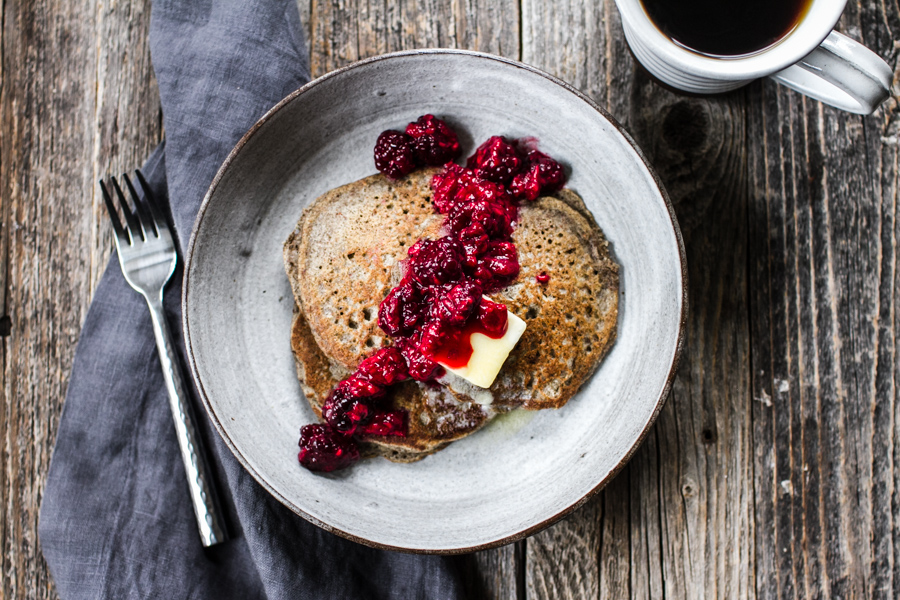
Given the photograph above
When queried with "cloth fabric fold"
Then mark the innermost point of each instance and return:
(116, 520)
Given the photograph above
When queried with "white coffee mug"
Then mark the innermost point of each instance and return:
(812, 59)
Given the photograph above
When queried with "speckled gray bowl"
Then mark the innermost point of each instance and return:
(520, 473)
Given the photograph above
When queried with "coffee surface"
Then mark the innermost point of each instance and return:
(726, 27)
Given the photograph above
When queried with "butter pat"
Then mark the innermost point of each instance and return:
(489, 354)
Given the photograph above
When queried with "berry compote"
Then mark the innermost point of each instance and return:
(428, 141)
(439, 303)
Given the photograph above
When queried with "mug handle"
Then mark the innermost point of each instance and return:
(843, 73)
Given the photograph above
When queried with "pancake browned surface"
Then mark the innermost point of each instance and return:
(572, 318)
(341, 256)
(342, 260)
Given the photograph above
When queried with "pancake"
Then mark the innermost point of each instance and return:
(572, 318)
(437, 416)
(342, 259)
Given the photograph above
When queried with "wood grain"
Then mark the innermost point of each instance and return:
(498, 573)
(824, 287)
(771, 471)
(77, 99)
(343, 31)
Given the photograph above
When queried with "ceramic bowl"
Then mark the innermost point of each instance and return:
(523, 471)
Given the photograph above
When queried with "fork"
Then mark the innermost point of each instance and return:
(148, 257)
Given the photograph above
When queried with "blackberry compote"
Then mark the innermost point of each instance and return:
(439, 303)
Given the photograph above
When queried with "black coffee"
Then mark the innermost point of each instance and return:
(726, 27)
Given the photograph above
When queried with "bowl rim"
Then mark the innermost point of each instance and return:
(186, 291)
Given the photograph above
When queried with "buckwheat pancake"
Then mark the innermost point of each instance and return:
(572, 318)
(343, 257)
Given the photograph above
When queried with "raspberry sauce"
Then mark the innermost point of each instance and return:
(456, 349)
(439, 304)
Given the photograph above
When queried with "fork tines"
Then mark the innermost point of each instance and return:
(143, 222)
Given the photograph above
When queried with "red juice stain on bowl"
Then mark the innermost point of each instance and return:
(439, 304)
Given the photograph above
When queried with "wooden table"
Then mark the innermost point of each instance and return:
(770, 472)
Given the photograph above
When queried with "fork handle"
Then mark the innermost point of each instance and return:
(203, 493)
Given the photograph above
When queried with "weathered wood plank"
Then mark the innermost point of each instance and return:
(31, 376)
(568, 39)
(496, 574)
(614, 551)
(698, 146)
(582, 44)
(643, 523)
(823, 254)
(873, 362)
(77, 100)
(343, 31)
(561, 562)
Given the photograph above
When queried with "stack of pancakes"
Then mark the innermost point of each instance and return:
(343, 258)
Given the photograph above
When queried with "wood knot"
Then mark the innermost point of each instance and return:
(685, 127)
(5, 326)
(708, 436)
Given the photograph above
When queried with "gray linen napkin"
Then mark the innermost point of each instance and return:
(116, 520)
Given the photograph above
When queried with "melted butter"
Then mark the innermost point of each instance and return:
(485, 355)
(506, 425)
